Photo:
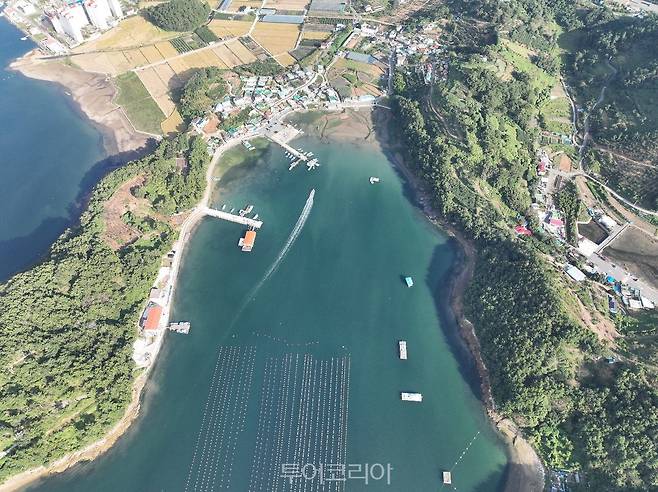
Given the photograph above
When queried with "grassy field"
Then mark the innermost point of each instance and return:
(138, 104)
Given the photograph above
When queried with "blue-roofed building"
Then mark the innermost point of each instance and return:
(360, 57)
(284, 19)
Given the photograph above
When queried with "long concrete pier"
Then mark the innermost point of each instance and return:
(256, 224)
(299, 155)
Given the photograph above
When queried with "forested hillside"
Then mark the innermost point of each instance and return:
(473, 140)
(67, 325)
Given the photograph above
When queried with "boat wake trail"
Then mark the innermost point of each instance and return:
(294, 234)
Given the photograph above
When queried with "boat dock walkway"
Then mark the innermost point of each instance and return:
(256, 224)
(299, 155)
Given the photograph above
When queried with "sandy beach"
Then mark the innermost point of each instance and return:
(94, 96)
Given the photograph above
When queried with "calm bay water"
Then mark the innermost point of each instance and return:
(49, 157)
(301, 366)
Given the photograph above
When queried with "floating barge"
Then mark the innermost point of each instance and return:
(402, 347)
(417, 397)
(409, 281)
(447, 478)
(247, 242)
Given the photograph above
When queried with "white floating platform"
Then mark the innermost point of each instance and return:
(418, 397)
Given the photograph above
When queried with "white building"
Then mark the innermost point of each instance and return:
(99, 13)
(57, 25)
(115, 7)
(72, 19)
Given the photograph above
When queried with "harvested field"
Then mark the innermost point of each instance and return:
(152, 54)
(179, 65)
(205, 58)
(158, 89)
(226, 56)
(285, 59)
(319, 35)
(165, 103)
(135, 58)
(96, 62)
(168, 76)
(223, 28)
(131, 32)
(166, 49)
(173, 124)
(241, 52)
(119, 62)
(276, 38)
(636, 251)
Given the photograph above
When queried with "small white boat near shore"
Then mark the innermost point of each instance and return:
(374, 179)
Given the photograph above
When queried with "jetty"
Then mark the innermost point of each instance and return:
(238, 219)
(182, 327)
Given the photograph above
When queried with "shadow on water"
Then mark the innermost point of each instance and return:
(495, 482)
(20, 253)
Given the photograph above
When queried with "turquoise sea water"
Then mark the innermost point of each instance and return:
(301, 367)
(49, 157)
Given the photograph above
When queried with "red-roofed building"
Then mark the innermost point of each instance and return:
(151, 320)
(522, 230)
(556, 222)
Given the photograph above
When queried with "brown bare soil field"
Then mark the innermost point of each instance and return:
(276, 38)
(636, 251)
(117, 233)
(241, 52)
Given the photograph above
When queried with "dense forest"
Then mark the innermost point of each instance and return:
(179, 15)
(619, 53)
(67, 325)
(546, 369)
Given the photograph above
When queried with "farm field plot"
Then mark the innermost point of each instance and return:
(319, 35)
(172, 124)
(179, 65)
(353, 79)
(226, 56)
(276, 38)
(285, 59)
(158, 89)
(205, 58)
(96, 62)
(131, 32)
(287, 4)
(223, 28)
(119, 62)
(241, 52)
(135, 58)
(166, 49)
(152, 54)
(138, 104)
